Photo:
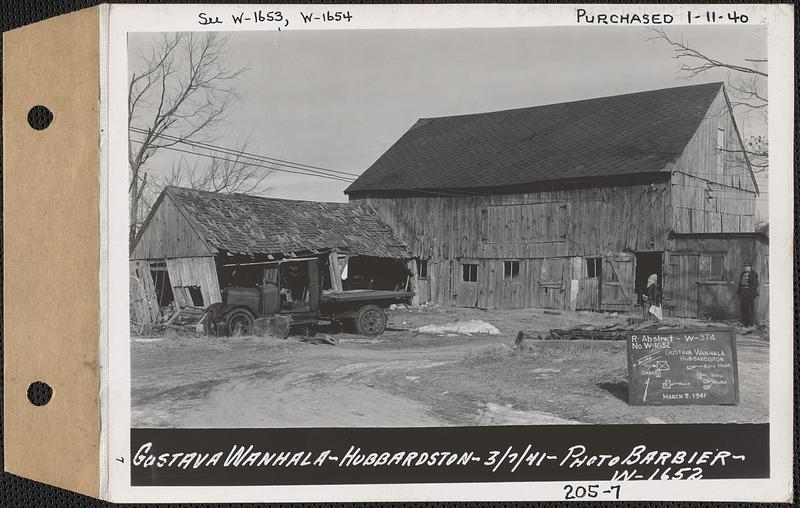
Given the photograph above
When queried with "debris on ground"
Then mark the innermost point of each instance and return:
(188, 319)
(361, 340)
(324, 339)
(552, 312)
(614, 331)
(474, 326)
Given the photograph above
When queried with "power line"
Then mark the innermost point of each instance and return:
(248, 155)
(270, 168)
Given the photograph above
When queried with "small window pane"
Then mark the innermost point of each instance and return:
(593, 268)
(716, 267)
(712, 266)
(510, 270)
(422, 269)
(470, 272)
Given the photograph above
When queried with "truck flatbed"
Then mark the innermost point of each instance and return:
(358, 295)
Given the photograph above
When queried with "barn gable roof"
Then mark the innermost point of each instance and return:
(252, 225)
(610, 136)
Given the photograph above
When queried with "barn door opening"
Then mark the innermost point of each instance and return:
(162, 284)
(648, 263)
(618, 283)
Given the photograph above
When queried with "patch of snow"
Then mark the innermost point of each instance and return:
(496, 414)
(474, 326)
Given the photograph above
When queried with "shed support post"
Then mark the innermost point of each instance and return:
(336, 272)
(412, 269)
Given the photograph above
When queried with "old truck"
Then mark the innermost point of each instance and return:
(295, 289)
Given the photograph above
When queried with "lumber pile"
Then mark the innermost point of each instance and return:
(588, 332)
(613, 331)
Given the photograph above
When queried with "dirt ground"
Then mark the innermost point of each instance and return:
(404, 378)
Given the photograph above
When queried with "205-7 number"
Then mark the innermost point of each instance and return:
(589, 491)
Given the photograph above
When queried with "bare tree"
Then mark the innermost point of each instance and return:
(232, 171)
(746, 85)
(181, 94)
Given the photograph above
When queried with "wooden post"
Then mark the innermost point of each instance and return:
(336, 273)
(412, 267)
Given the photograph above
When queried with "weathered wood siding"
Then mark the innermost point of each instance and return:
(590, 221)
(194, 271)
(618, 282)
(691, 291)
(712, 187)
(168, 234)
(541, 230)
(143, 301)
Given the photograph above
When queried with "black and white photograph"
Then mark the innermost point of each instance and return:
(448, 227)
(408, 253)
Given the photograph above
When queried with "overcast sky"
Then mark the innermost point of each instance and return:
(339, 98)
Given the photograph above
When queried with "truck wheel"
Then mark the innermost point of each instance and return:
(370, 320)
(240, 322)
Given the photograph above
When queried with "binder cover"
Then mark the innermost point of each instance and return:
(51, 251)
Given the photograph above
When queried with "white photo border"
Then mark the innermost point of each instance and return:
(116, 397)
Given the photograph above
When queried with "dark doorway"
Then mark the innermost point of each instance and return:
(162, 285)
(366, 272)
(647, 263)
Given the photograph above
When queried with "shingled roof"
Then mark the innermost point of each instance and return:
(620, 135)
(244, 224)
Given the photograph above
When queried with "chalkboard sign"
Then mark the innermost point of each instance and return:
(674, 367)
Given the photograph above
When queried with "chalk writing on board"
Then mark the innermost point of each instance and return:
(682, 367)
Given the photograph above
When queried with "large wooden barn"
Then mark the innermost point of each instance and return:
(573, 205)
(194, 243)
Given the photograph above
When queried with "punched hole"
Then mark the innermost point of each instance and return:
(39, 117)
(39, 393)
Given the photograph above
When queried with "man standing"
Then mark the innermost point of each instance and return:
(748, 291)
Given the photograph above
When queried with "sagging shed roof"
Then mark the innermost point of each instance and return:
(609, 136)
(254, 225)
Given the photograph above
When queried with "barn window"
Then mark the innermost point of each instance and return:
(469, 272)
(510, 270)
(593, 267)
(422, 268)
(712, 266)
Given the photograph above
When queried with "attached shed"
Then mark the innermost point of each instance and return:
(706, 268)
(568, 205)
(194, 243)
